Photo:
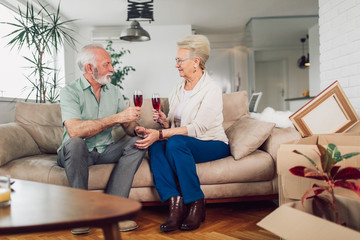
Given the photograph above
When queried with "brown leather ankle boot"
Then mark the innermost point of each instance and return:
(196, 215)
(176, 215)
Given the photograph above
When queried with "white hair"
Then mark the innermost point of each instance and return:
(87, 55)
(198, 45)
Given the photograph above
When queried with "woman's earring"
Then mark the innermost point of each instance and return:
(194, 69)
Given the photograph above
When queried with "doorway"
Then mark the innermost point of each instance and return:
(271, 81)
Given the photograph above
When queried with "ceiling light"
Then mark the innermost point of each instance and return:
(138, 10)
(303, 62)
(135, 33)
(307, 63)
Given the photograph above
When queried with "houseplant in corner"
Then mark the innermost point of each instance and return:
(43, 33)
(332, 175)
(119, 71)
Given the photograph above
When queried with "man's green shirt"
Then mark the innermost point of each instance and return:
(78, 101)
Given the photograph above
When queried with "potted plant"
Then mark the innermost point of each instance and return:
(43, 33)
(332, 175)
(120, 71)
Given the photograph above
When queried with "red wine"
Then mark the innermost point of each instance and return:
(156, 103)
(138, 99)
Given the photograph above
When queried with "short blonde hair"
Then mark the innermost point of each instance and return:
(199, 46)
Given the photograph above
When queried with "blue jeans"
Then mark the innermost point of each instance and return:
(172, 162)
(75, 157)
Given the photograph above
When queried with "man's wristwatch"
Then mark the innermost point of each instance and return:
(161, 134)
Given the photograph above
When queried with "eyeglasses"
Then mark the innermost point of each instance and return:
(179, 61)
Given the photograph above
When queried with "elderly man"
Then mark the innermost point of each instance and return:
(90, 107)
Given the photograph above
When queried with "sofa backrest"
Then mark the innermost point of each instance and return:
(43, 121)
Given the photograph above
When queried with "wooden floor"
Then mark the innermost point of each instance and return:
(225, 221)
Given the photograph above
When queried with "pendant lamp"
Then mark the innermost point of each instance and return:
(303, 62)
(135, 33)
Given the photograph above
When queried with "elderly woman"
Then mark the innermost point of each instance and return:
(192, 133)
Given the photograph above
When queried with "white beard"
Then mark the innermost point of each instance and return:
(103, 80)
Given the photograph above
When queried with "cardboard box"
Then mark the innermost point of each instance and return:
(355, 128)
(291, 187)
(293, 222)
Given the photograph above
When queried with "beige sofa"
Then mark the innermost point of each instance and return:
(28, 151)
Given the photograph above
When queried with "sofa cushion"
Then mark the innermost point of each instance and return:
(246, 135)
(15, 142)
(255, 167)
(239, 189)
(277, 137)
(235, 106)
(43, 122)
(32, 168)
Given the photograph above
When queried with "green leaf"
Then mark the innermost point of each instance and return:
(310, 160)
(350, 155)
(119, 71)
(336, 155)
(327, 162)
(334, 152)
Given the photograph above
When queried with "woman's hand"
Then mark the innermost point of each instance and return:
(151, 136)
(159, 116)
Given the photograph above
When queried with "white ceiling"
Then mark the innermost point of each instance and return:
(206, 16)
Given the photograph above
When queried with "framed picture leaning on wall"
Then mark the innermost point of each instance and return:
(329, 112)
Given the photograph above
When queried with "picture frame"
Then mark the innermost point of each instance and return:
(329, 112)
(254, 101)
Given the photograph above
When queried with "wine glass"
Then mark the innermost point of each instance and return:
(155, 99)
(138, 99)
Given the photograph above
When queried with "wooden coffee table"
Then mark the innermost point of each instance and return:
(39, 207)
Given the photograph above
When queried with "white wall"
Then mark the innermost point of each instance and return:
(314, 69)
(7, 109)
(220, 68)
(153, 60)
(241, 68)
(228, 62)
(339, 23)
(229, 67)
(297, 79)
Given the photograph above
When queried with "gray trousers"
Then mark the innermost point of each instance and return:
(75, 157)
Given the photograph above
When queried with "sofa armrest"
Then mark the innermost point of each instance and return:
(15, 142)
(277, 137)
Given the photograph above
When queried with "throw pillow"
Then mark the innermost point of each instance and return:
(235, 106)
(246, 135)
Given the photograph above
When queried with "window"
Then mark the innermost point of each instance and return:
(13, 81)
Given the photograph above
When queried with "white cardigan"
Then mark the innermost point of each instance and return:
(202, 112)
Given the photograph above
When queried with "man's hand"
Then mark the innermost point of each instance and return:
(129, 114)
(141, 131)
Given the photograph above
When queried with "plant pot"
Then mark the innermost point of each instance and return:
(348, 210)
